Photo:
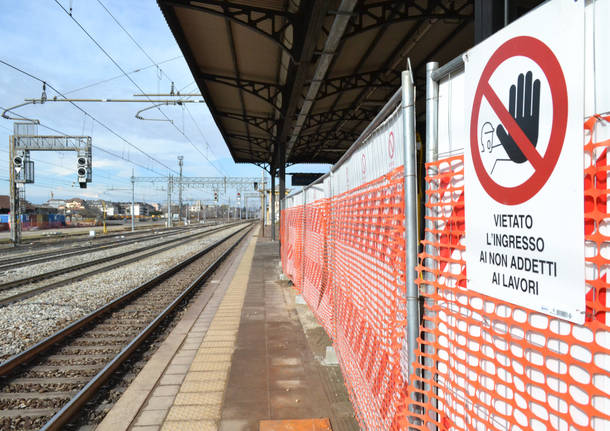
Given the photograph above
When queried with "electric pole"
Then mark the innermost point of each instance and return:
(180, 163)
(169, 201)
(133, 198)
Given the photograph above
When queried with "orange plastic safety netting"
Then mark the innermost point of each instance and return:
(488, 364)
(367, 265)
(315, 285)
(353, 280)
(291, 237)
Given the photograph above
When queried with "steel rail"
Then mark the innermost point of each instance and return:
(63, 240)
(58, 254)
(74, 405)
(76, 402)
(26, 294)
(39, 277)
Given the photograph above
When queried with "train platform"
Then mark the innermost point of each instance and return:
(246, 355)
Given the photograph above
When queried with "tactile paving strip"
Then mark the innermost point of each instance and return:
(199, 400)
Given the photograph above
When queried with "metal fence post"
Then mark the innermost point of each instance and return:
(430, 225)
(410, 202)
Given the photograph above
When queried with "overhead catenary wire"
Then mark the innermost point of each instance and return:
(88, 114)
(104, 81)
(118, 66)
(154, 63)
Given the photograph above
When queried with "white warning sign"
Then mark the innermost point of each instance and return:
(524, 93)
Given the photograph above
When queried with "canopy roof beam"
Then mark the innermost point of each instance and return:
(330, 48)
(266, 91)
(383, 13)
(296, 77)
(332, 86)
(265, 124)
(261, 20)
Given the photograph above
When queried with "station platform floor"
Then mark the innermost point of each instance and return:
(247, 355)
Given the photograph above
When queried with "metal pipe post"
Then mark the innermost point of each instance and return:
(133, 198)
(273, 205)
(14, 194)
(410, 202)
(431, 156)
(169, 201)
(431, 172)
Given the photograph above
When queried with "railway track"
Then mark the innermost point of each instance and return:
(44, 386)
(20, 289)
(25, 259)
(64, 240)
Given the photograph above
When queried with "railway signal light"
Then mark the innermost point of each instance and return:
(23, 167)
(216, 196)
(82, 170)
(18, 162)
(255, 185)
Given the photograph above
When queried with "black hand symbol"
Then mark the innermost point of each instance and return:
(526, 113)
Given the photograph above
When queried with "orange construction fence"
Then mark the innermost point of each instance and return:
(490, 365)
(346, 256)
(483, 364)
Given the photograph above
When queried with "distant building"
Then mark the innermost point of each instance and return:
(196, 207)
(140, 209)
(59, 204)
(112, 208)
(5, 204)
(75, 204)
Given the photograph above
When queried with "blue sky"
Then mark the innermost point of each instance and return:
(40, 38)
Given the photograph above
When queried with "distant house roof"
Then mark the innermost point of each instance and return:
(5, 202)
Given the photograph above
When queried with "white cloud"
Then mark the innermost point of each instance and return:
(67, 59)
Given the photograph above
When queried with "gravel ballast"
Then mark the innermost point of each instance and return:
(27, 322)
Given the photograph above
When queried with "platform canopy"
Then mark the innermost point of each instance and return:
(307, 76)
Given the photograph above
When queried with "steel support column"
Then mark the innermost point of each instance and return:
(488, 18)
(282, 162)
(273, 204)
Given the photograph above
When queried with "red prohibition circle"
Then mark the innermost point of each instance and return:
(391, 145)
(540, 53)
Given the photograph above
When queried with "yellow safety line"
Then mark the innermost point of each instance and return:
(198, 403)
